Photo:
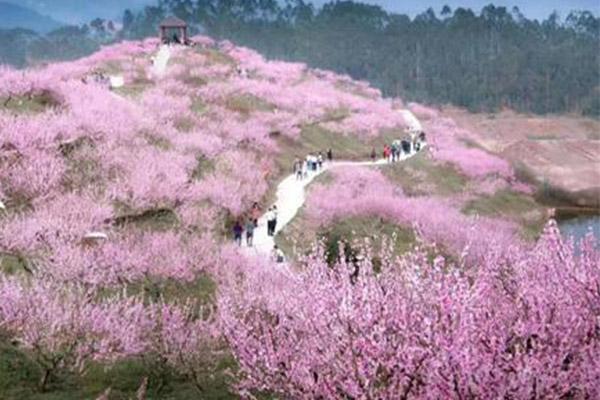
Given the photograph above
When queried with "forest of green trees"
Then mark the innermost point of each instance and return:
(482, 60)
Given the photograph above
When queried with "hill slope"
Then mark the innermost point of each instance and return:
(117, 209)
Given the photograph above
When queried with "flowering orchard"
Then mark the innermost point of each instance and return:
(364, 192)
(115, 210)
(516, 325)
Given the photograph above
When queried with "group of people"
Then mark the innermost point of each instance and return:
(312, 162)
(393, 152)
(250, 223)
(97, 77)
(238, 231)
(175, 39)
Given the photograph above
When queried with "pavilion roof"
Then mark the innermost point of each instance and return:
(173, 22)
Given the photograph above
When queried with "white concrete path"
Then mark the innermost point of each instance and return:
(291, 196)
(412, 121)
(161, 60)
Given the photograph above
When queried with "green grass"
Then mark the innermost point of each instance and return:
(112, 67)
(198, 106)
(159, 142)
(202, 290)
(204, 167)
(373, 228)
(11, 264)
(19, 376)
(30, 104)
(298, 237)
(511, 205)
(193, 81)
(420, 176)
(159, 219)
(337, 114)
(184, 124)
(83, 168)
(132, 90)
(214, 56)
(544, 137)
(315, 138)
(246, 104)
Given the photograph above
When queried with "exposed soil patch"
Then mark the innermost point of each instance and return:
(560, 154)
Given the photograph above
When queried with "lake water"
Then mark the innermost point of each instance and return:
(580, 226)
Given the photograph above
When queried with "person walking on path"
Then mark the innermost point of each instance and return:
(270, 216)
(373, 154)
(329, 155)
(250, 232)
(274, 226)
(304, 169)
(298, 169)
(395, 151)
(237, 232)
(320, 160)
(255, 213)
(386, 153)
(312, 162)
(406, 146)
(278, 255)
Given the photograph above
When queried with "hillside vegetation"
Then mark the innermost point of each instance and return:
(119, 274)
(482, 60)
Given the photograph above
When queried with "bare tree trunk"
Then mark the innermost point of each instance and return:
(45, 379)
(105, 395)
(143, 390)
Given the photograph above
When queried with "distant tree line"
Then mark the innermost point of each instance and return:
(497, 58)
(22, 47)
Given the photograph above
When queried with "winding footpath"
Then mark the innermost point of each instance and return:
(291, 195)
(161, 60)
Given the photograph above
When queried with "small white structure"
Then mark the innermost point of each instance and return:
(2, 206)
(93, 236)
(242, 73)
(116, 81)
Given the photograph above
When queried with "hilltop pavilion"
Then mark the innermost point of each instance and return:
(176, 26)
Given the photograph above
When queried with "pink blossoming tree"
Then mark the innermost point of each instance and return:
(514, 326)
